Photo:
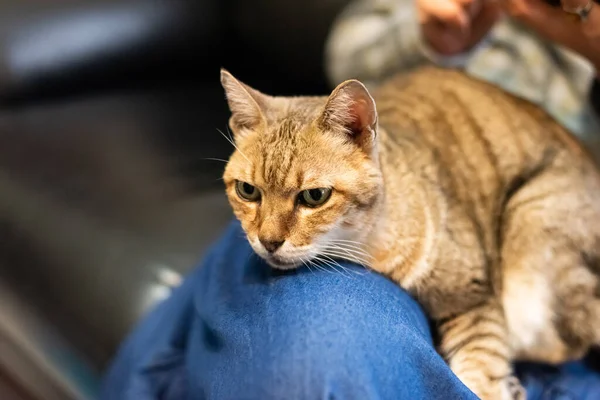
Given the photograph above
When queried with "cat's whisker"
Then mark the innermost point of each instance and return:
(215, 159)
(234, 145)
(331, 264)
(362, 263)
(347, 258)
(351, 258)
(347, 270)
(229, 132)
(319, 267)
(306, 265)
(342, 255)
(351, 249)
(359, 262)
(349, 244)
(350, 241)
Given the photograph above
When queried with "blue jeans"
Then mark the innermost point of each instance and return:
(238, 330)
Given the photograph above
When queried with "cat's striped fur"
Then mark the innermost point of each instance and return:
(476, 202)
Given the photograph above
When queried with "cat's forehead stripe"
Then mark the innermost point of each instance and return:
(279, 147)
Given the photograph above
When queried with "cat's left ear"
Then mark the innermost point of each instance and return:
(351, 109)
(246, 104)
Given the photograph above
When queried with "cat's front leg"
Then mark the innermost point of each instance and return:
(476, 346)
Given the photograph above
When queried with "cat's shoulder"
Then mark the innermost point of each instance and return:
(434, 77)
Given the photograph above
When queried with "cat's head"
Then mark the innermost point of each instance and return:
(304, 179)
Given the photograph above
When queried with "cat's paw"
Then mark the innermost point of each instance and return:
(513, 390)
(508, 388)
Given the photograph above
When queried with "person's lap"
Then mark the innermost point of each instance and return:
(238, 330)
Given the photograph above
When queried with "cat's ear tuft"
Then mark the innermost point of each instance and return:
(246, 104)
(351, 108)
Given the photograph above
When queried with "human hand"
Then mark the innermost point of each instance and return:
(581, 36)
(453, 26)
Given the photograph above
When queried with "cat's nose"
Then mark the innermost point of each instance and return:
(271, 245)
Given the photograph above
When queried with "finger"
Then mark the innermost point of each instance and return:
(591, 29)
(573, 4)
(472, 7)
(552, 23)
(558, 26)
(591, 25)
(488, 16)
(445, 41)
(449, 14)
(564, 28)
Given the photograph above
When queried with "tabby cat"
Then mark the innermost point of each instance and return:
(476, 202)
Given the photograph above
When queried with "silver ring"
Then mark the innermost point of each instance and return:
(583, 12)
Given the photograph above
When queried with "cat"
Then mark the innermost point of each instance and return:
(476, 202)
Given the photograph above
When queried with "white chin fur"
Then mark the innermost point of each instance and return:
(283, 267)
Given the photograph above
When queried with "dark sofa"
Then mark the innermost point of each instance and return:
(109, 110)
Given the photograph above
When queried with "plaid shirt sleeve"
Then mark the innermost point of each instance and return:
(373, 39)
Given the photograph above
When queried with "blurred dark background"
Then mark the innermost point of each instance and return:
(109, 111)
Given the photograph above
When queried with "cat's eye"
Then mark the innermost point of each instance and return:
(314, 197)
(246, 191)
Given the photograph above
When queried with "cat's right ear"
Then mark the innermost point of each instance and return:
(351, 109)
(246, 104)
